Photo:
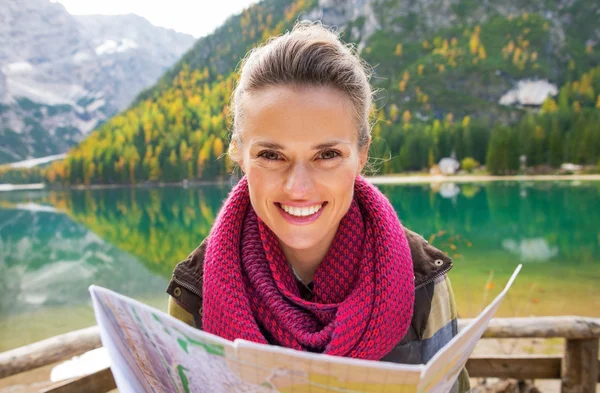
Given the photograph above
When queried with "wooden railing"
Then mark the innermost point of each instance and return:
(578, 368)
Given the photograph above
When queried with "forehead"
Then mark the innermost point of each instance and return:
(305, 115)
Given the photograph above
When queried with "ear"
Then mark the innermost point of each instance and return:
(236, 156)
(364, 156)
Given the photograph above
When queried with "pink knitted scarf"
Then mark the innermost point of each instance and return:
(363, 292)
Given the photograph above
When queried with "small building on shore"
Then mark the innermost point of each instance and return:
(449, 165)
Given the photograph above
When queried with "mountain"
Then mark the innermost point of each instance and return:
(61, 75)
(448, 73)
(474, 52)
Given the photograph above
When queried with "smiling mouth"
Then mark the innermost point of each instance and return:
(301, 211)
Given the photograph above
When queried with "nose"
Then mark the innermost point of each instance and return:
(298, 182)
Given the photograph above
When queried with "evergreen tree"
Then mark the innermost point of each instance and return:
(555, 145)
(503, 152)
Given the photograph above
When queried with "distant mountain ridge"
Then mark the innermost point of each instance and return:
(442, 67)
(61, 75)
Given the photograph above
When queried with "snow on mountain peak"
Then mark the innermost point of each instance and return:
(111, 46)
(19, 67)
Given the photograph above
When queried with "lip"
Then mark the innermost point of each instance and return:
(295, 220)
(301, 204)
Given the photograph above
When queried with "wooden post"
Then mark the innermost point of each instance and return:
(580, 366)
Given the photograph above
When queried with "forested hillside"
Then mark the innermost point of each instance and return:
(442, 69)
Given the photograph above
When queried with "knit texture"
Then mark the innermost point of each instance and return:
(363, 292)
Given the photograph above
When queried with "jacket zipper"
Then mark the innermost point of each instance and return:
(187, 286)
(438, 274)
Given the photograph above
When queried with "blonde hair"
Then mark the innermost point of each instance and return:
(309, 55)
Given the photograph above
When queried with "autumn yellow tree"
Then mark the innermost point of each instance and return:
(402, 85)
(398, 51)
(474, 41)
(549, 106)
(466, 121)
(406, 118)
(394, 112)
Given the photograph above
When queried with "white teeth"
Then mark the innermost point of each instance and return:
(301, 211)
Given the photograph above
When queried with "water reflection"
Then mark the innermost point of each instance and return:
(54, 244)
(48, 260)
(159, 226)
(531, 250)
(564, 217)
(449, 191)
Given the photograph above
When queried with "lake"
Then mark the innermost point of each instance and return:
(54, 244)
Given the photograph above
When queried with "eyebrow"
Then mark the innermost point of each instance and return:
(276, 146)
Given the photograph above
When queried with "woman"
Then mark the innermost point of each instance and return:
(305, 253)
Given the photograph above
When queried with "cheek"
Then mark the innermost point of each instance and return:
(342, 187)
(260, 178)
(260, 188)
(345, 175)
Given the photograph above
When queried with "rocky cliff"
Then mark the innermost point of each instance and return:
(61, 75)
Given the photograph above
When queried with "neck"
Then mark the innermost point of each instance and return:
(306, 261)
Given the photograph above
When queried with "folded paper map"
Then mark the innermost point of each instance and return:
(151, 351)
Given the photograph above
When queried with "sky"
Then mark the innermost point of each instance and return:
(195, 17)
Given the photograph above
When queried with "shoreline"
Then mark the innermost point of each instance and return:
(21, 187)
(383, 179)
(420, 179)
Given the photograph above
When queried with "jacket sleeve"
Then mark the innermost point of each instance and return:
(441, 327)
(176, 311)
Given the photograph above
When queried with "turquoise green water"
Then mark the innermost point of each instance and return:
(54, 244)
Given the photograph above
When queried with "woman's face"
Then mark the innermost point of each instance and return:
(300, 155)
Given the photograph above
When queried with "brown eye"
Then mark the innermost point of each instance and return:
(329, 154)
(269, 155)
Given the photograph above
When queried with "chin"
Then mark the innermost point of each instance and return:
(299, 242)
